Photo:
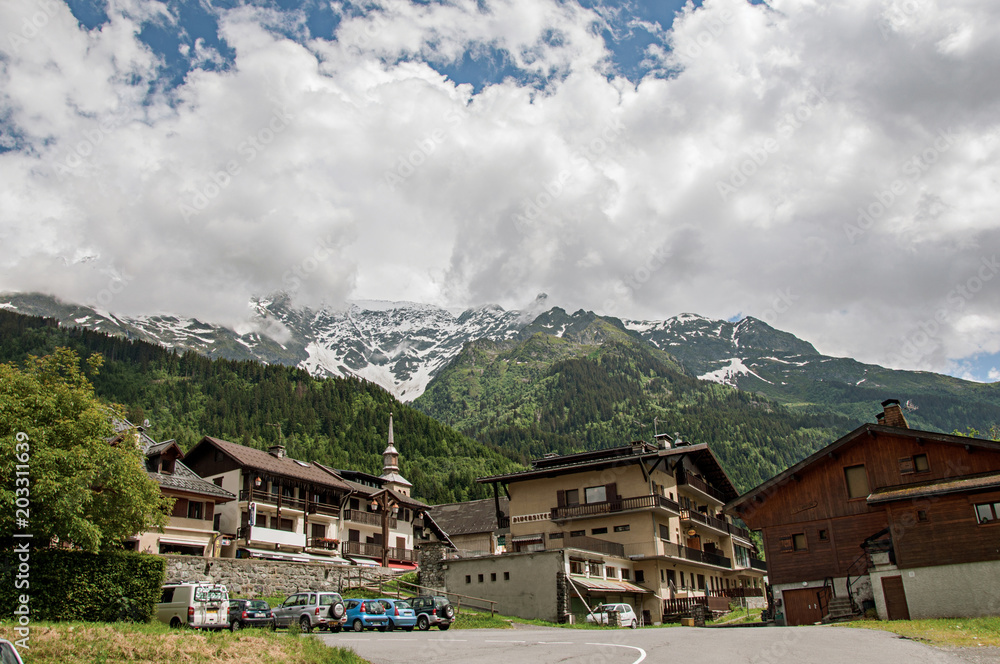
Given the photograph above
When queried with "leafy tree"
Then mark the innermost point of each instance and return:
(87, 486)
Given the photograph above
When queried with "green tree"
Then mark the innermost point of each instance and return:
(87, 486)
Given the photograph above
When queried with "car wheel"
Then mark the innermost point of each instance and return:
(273, 625)
(423, 624)
(336, 629)
(407, 629)
(305, 624)
(175, 622)
(383, 628)
(391, 626)
(235, 626)
(443, 627)
(358, 625)
(633, 625)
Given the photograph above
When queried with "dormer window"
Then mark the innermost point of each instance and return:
(166, 466)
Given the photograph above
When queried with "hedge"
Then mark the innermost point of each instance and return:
(76, 585)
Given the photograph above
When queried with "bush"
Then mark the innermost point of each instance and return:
(76, 585)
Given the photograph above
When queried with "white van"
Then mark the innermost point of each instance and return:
(198, 605)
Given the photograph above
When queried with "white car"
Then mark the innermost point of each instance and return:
(8, 653)
(600, 615)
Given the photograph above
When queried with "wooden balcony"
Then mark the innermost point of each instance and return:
(736, 531)
(736, 593)
(698, 484)
(758, 564)
(271, 499)
(705, 520)
(663, 548)
(591, 544)
(652, 501)
(368, 518)
(684, 605)
(324, 543)
(402, 555)
(362, 549)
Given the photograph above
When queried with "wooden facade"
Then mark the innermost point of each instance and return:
(915, 491)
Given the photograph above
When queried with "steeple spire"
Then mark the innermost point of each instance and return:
(390, 466)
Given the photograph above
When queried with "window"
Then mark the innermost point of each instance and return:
(640, 576)
(573, 497)
(577, 533)
(799, 542)
(921, 515)
(506, 576)
(622, 529)
(596, 569)
(661, 576)
(857, 481)
(480, 578)
(468, 578)
(287, 525)
(682, 581)
(576, 567)
(664, 532)
(217, 522)
(920, 464)
(553, 536)
(355, 504)
(824, 536)
(987, 512)
(218, 481)
(493, 576)
(598, 531)
(701, 582)
(261, 521)
(194, 510)
(595, 494)
(612, 572)
(625, 574)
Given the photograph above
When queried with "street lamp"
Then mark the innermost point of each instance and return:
(383, 502)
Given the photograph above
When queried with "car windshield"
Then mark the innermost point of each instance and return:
(257, 605)
(327, 600)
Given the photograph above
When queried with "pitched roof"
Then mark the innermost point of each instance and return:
(264, 461)
(863, 430)
(620, 456)
(185, 479)
(474, 516)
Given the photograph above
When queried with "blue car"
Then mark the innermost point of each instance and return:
(400, 614)
(365, 614)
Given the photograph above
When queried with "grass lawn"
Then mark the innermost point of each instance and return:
(940, 631)
(156, 643)
(737, 616)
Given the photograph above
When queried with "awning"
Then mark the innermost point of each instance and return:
(603, 586)
(409, 567)
(527, 538)
(183, 542)
(293, 557)
(361, 560)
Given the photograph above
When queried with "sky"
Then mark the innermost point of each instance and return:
(830, 167)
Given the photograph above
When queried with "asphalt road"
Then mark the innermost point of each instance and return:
(765, 645)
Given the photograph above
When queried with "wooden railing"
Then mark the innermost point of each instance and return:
(738, 532)
(368, 518)
(259, 496)
(736, 593)
(700, 485)
(683, 605)
(592, 544)
(610, 506)
(397, 553)
(323, 543)
(704, 519)
(362, 549)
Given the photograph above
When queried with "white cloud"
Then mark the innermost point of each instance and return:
(829, 166)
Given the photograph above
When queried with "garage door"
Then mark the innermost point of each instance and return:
(803, 606)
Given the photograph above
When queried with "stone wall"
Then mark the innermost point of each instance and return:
(431, 570)
(252, 577)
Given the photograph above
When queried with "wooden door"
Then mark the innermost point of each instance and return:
(694, 542)
(896, 607)
(805, 605)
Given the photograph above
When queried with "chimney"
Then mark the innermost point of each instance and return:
(277, 451)
(893, 414)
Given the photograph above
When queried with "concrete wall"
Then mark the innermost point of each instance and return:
(530, 589)
(262, 578)
(861, 589)
(945, 591)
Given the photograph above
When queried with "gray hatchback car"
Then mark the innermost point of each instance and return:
(323, 610)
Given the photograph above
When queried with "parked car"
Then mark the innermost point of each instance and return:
(365, 614)
(433, 611)
(250, 613)
(322, 610)
(400, 614)
(197, 605)
(8, 653)
(600, 615)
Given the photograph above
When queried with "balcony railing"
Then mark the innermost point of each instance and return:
(592, 544)
(672, 550)
(324, 508)
(324, 543)
(705, 520)
(611, 506)
(368, 518)
(273, 536)
(701, 485)
(407, 555)
(757, 563)
(684, 605)
(736, 593)
(738, 532)
(258, 496)
(362, 549)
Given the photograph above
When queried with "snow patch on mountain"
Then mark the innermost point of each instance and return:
(727, 375)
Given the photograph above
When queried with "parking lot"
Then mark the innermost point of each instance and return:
(802, 645)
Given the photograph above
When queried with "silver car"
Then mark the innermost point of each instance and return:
(8, 653)
(323, 610)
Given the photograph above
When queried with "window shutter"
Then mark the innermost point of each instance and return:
(180, 507)
(560, 498)
(786, 544)
(611, 491)
(209, 510)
